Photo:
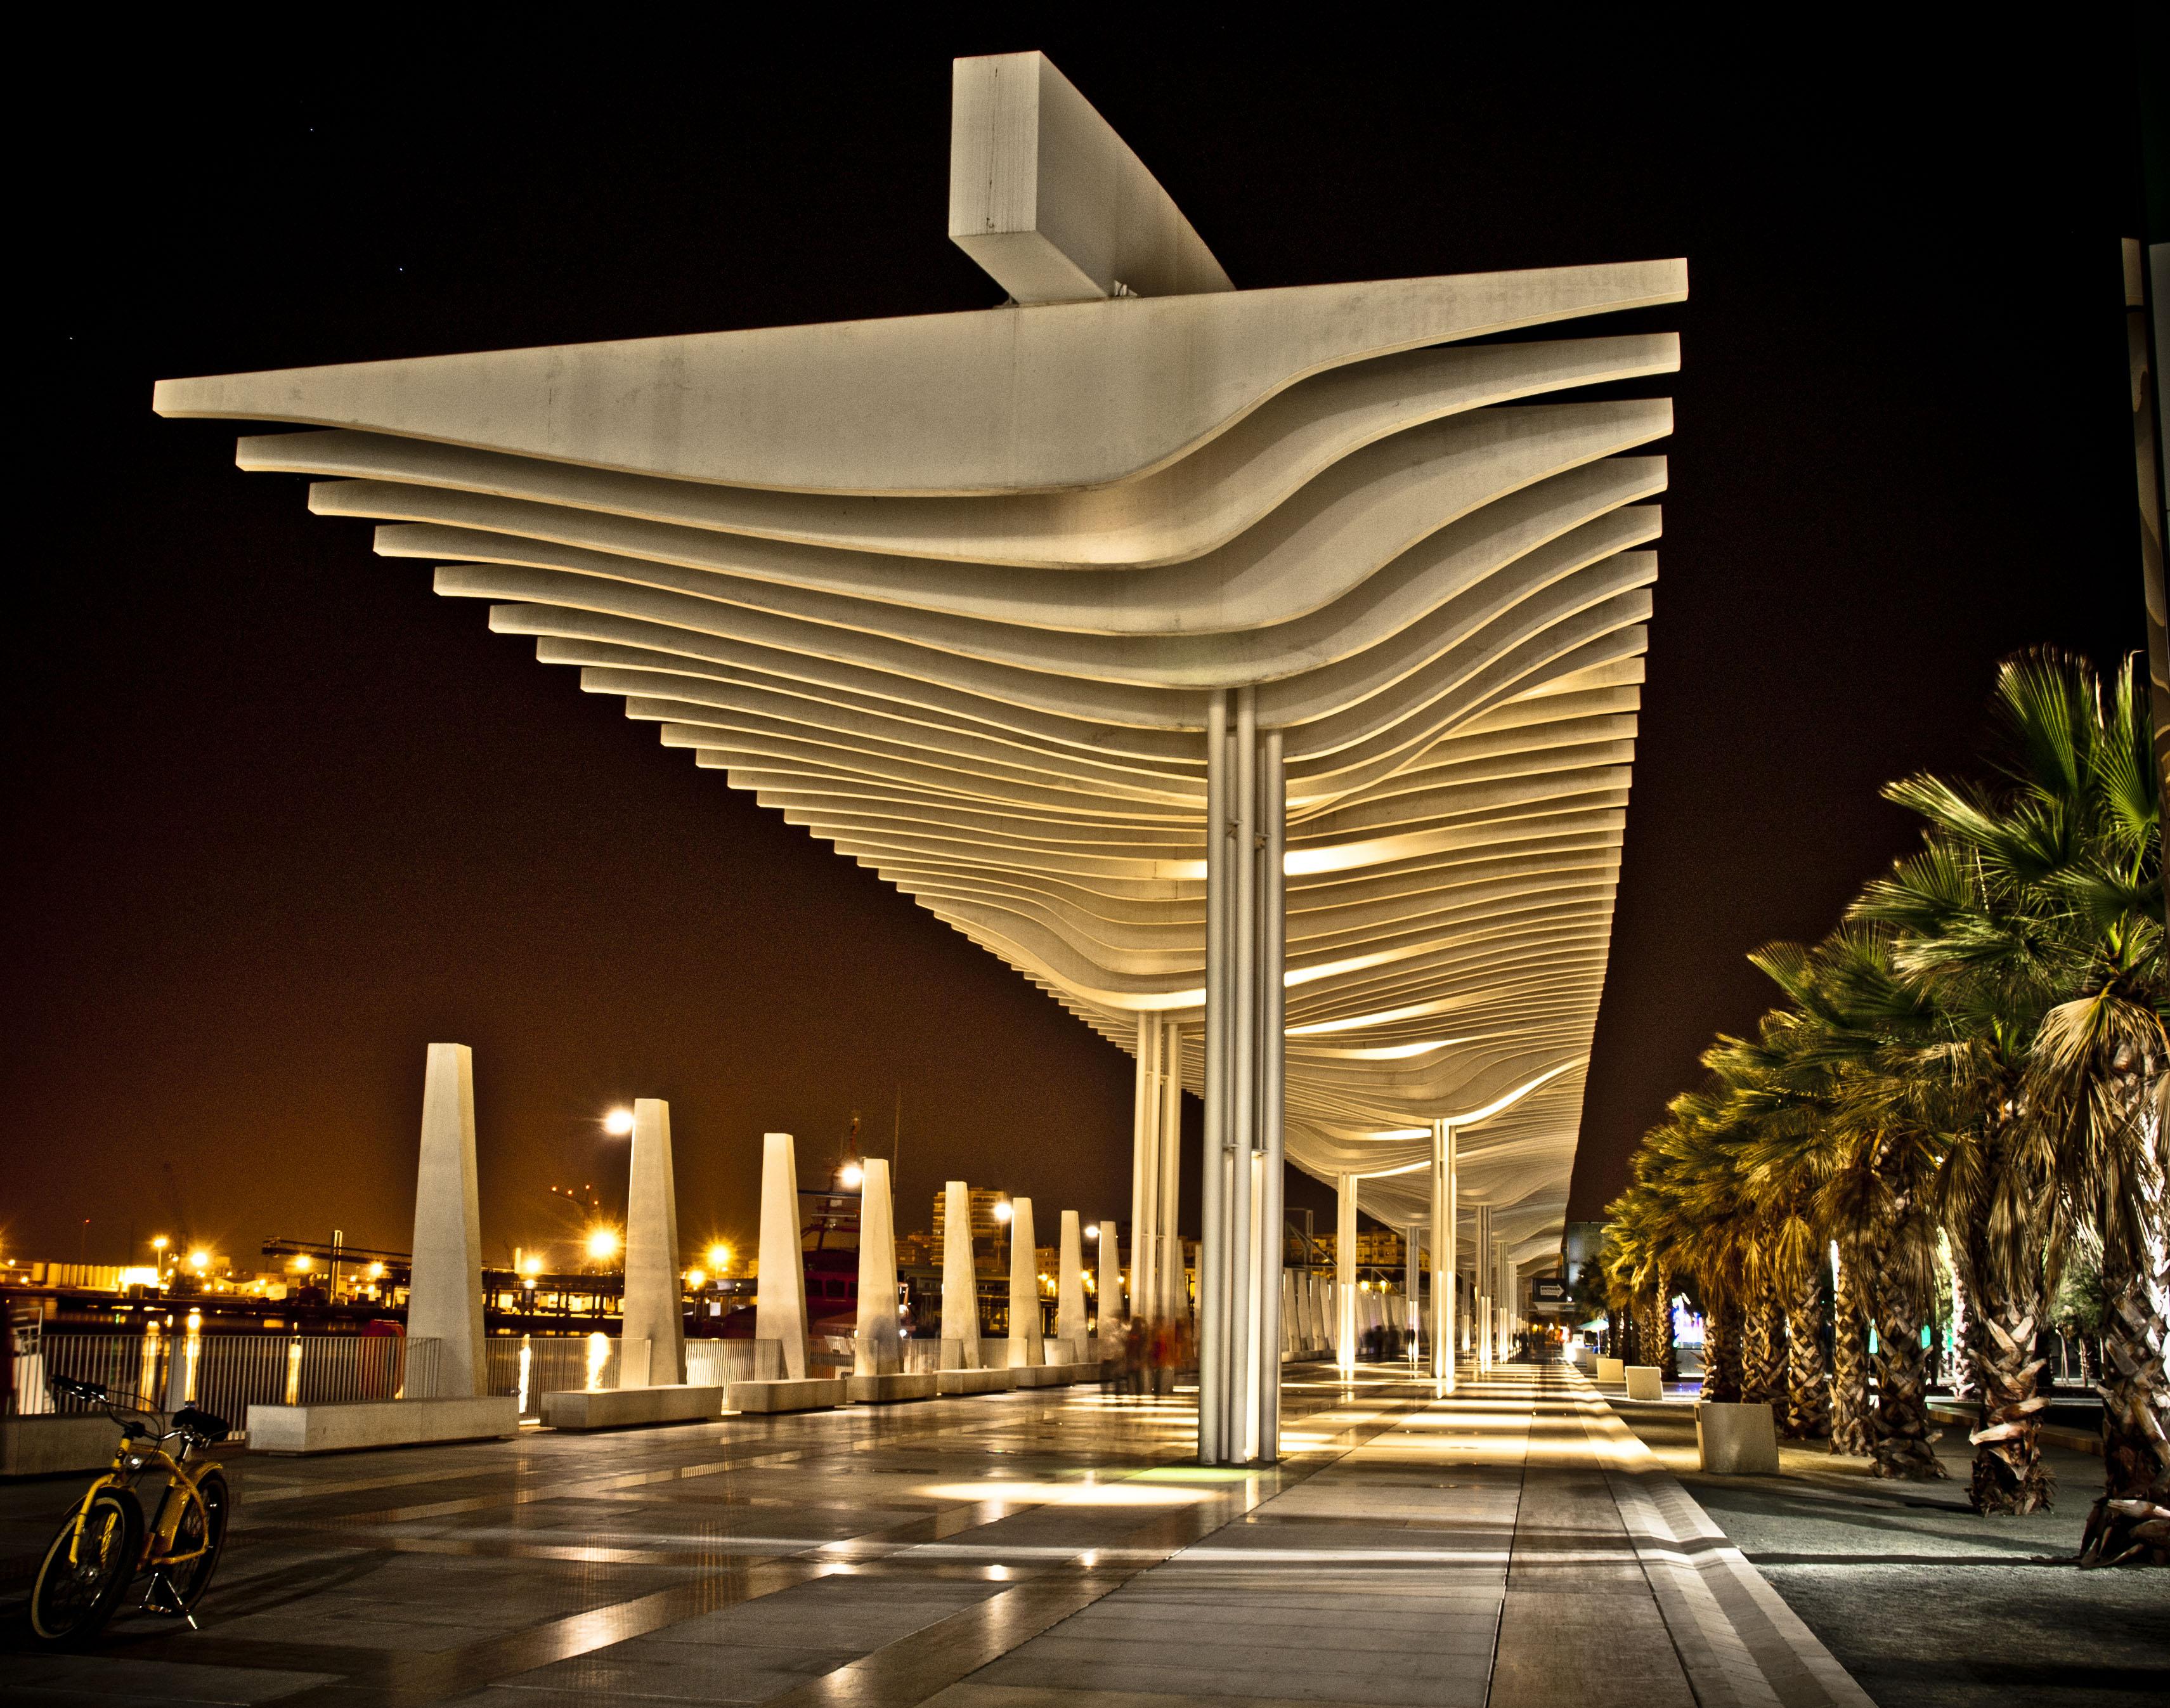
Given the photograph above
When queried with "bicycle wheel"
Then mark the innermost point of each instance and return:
(191, 1577)
(72, 1597)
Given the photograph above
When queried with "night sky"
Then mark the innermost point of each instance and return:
(281, 816)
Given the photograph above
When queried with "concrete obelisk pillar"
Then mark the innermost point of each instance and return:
(878, 1348)
(1446, 1312)
(1070, 1326)
(1344, 1273)
(1110, 1294)
(1412, 1292)
(444, 1293)
(1026, 1341)
(961, 1281)
(654, 1350)
(780, 1304)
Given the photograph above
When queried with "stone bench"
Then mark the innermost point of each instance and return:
(1644, 1382)
(808, 1394)
(52, 1442)
(973, 1381)
(350, 1425)
(626, 1408)
(1055, 1375)
(1611, 1369)
(891, 1386)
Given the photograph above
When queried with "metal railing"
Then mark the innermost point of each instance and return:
(529, 1366)
(224, 1374)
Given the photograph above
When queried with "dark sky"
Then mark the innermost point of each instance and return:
(281, 816)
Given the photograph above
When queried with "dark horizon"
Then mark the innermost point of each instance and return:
(283, 817)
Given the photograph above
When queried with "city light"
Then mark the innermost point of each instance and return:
(1003, 1211)
(303, 1266)
(159, 1243)
(618, 1122)
(377, 1272)
(1093, 1232)
(696, 1279)
(850, 1174)
(602, 1243)
(531, 1266)
(720, 1258)
(200, 1260)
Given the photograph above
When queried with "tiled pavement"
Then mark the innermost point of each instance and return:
(1510, 1544)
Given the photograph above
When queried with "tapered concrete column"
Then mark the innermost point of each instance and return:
(878, 1347)
(1070, 1325)
(1109, 1299)
(654, 1349)
(1511, 1292)
(960, 1284)
(1344, 1273)
(780, 1305)
(1027, 1345)
(444, 1294)
(1445, 1316)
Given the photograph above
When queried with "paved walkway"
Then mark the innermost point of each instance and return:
(1512, 1544)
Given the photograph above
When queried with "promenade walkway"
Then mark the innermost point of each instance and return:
(1511, 1543)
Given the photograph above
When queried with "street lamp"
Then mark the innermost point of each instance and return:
(1093, 1233)
(618, 1122)
(720, 1258)
(851, 1175)
(602, 1243)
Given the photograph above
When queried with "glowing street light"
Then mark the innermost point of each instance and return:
(1003, 1211)
(696, 1279)
(618, 1122)
(1094, 1232)
(602, 1243)
(531, 1266)
(200, 1260)
(850, 1174)
(720, 1258)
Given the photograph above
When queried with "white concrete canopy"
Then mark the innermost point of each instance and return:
(1011, 606)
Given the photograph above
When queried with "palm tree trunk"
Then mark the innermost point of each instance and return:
(1668, 1360)
(2130, 1519)
(1898, 1276)
(1854, 1430)
(2009, 1475)
(1721, 1349)
(1808, 1381)
(1760, 1382)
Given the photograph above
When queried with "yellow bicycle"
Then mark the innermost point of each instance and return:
(105, 1544)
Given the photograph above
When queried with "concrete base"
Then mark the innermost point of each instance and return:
(889, 1388)
(808, 1394)
(624, 1408)
(973, 1381)
(1611, 1369)
(350, 1426)
(1646, 1382)
(48, 1445)
(1737, 1440)
(1055, 1375)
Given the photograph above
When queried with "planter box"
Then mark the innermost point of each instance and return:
(889, 1388)
(625, 1408)
(1611, 1369)
(973, 1381)
(808, 1394)
(350, 1426)
(1646, 1382)
(1737, 1440)
(51, 1444)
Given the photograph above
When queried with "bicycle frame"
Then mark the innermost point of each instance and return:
(158, 1536)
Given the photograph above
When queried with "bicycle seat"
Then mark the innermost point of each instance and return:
(200, 1426)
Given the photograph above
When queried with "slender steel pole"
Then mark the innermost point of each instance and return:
(1273, 1038)
(1213, 1233)
(1243, 1075)
(1168, 1282)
